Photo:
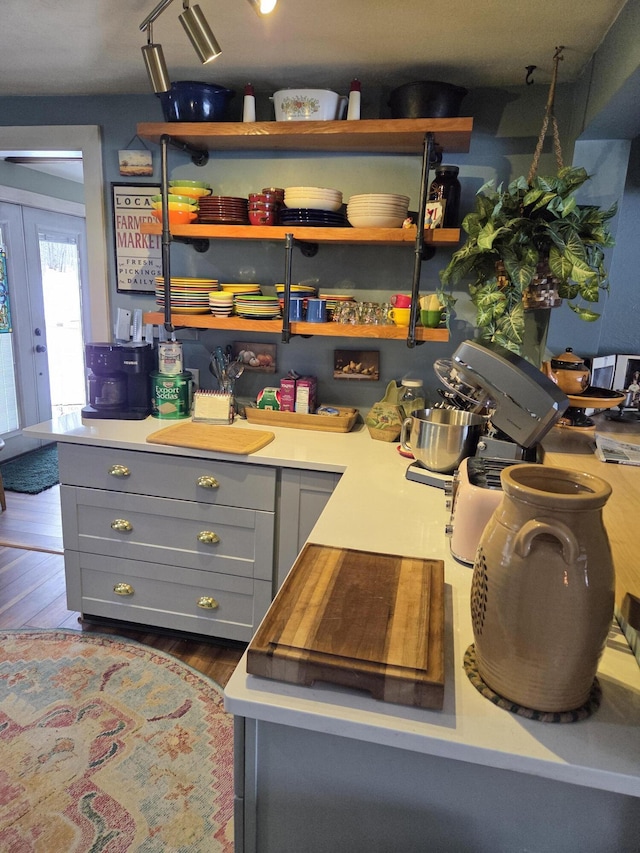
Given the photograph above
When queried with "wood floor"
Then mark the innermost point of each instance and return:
(32, 588)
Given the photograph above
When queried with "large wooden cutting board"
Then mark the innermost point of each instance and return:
(225, 439)
(358, 619)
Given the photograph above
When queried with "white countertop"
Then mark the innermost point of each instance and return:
(375, 508)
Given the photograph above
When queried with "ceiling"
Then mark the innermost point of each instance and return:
(92, 47)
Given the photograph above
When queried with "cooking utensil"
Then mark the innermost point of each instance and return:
(441, 438)
(426, 99)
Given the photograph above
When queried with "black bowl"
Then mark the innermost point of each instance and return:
(426, 99)
(191, 101)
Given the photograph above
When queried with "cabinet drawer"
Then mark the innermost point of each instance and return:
(181, 477)
(170, 532)
(166, 597)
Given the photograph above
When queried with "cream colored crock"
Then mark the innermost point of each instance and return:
(543, 588)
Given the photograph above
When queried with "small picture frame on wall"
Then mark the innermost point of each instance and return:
(356, 364)
(138, 255)
(627, 379)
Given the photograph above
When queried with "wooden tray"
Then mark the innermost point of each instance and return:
(225, 439)
(358, 619)
(342, 422)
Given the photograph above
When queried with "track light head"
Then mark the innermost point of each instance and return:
(199, 32)
(155, 64)
(263, 7)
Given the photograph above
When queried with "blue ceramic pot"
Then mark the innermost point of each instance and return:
(192, 101)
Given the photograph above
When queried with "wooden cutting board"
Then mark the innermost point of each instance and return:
(225, 439)
(358, 619)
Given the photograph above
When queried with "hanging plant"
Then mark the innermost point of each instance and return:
(511, 233)
(534, 228)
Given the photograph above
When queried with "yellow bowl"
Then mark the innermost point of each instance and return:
(191, 192)
(239, 288)
(175, 205)
(176, 217)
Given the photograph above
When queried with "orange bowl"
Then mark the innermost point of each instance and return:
(176, 217)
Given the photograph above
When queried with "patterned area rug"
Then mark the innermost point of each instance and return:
(110, 746)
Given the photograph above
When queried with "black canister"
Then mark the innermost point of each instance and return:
(446, 187)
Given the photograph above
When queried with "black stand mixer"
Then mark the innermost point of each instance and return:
(118, 380)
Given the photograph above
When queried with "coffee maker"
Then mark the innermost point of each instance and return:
(118, 380)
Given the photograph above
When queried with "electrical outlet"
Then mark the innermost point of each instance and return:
(195, 372)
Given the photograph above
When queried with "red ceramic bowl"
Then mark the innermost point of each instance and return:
(262, 217)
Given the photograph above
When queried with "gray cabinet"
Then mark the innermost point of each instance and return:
(168, 541)
(303, 496)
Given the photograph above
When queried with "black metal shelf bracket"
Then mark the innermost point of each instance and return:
(289, 241)
(199, 156)
(200, 244)
(429, 156)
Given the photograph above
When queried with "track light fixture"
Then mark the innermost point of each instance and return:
(200, 35)
(199, 32)
(263, 7)
(156, 66)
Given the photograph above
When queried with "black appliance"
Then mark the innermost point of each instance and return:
(119, 380)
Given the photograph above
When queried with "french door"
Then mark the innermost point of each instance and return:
(41, 358)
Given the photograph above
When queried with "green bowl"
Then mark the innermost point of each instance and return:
(199, 184)
(181, 199)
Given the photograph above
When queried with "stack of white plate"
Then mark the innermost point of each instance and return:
(377, 210)
(314, 198)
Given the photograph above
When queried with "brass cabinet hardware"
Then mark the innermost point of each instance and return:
(208, 537)
(123, 589)
(121, 525)
(119, 471)
(207, 603)
(208, 482)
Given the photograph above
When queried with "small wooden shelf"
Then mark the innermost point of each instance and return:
(337, 330)
(371, 136)
(352, 236)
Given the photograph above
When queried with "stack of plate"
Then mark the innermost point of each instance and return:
(223, 210)
(309, 216)
(313, 198)
(244, 289)
(257, 307)
(377, 210)
(188, 295)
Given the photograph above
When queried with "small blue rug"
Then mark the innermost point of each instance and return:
(32, 472)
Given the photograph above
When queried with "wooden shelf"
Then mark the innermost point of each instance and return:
(352, 236)
(377, 136)
(335, 330)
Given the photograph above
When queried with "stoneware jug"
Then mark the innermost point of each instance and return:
(542, 593)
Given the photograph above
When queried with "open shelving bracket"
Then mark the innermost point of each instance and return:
(430, 156)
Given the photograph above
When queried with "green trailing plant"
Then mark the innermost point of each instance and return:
(514, 230)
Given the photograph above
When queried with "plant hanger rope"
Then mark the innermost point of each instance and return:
(549, 114)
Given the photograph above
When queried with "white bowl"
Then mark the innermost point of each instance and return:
(308, 105)
(372, 221)
(391, 197)
(314, 203)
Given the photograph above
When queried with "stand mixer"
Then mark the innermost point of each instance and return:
(521, 405)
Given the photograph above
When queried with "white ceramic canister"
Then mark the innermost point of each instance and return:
(542, 593)
(170, 361)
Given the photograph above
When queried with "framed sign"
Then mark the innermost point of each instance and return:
(138, 255)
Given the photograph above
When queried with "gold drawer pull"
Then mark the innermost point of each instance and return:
(123, 589)
(119, 471)
(208, 537)
(208, 482)
(207, 603)
(121, 525)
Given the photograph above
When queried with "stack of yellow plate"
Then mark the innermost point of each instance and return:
(192, 189)
(241, 288)
(188, 295)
